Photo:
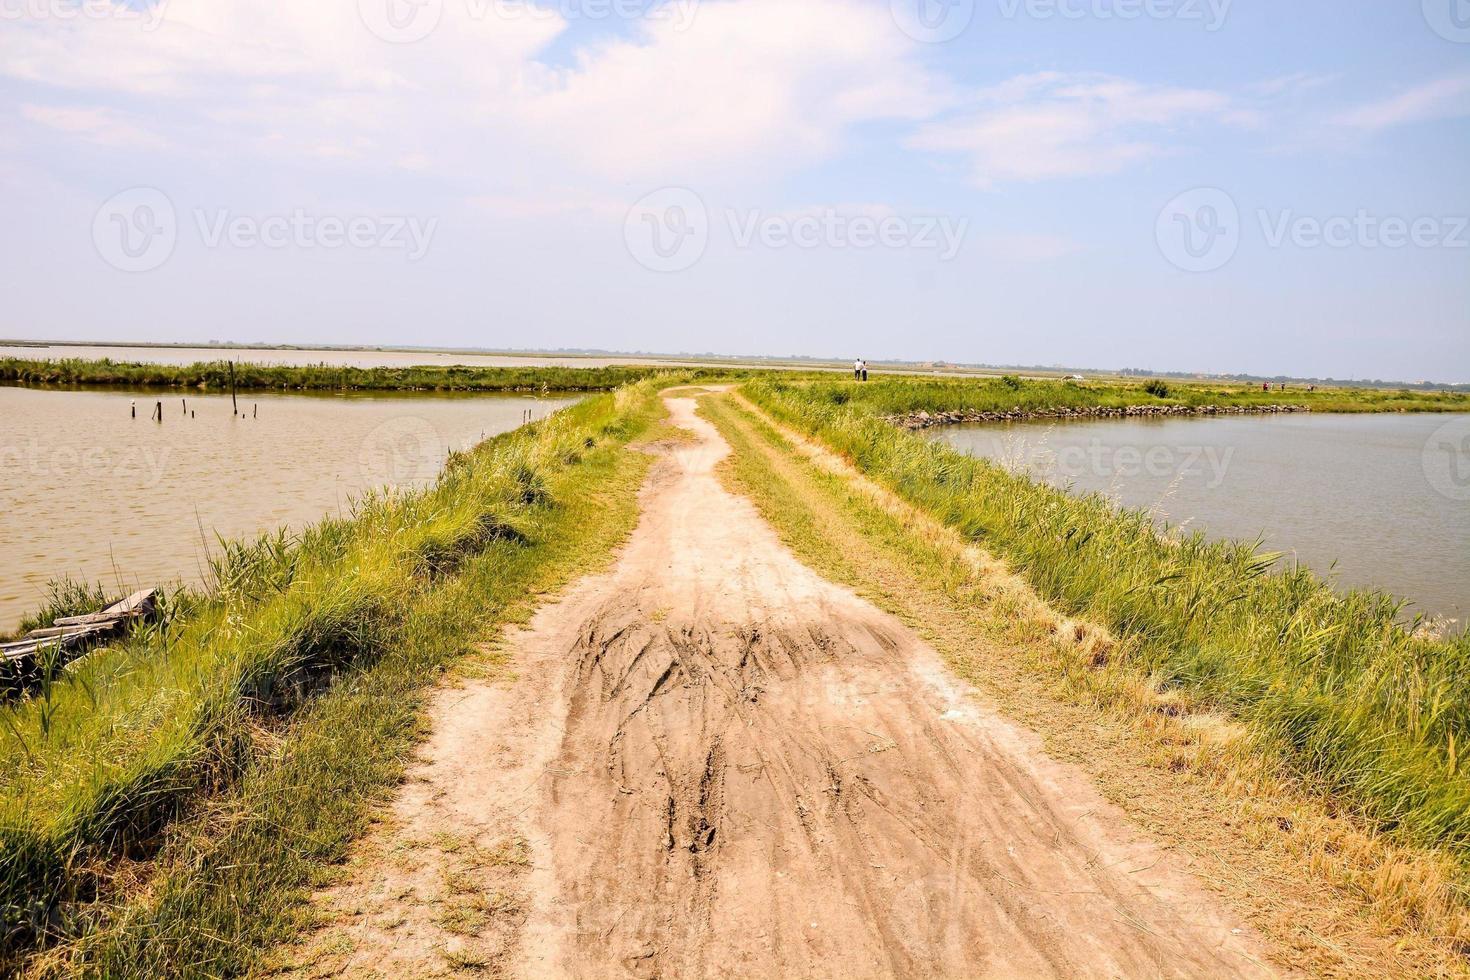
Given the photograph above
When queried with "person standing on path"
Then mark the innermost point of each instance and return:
(857, 369)
(865, 369)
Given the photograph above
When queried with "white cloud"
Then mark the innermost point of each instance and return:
(1286, 85)
(1054, 125)
(745, 82)
(93, 124)
(222, 43)
(1444, 98)
(755, 81)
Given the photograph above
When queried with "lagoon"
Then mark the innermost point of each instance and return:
(87, 490)
(1376, 501)
(306, 357)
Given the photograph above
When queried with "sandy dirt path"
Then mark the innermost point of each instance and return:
(715, 763)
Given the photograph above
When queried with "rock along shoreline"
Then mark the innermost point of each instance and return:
(926, 420)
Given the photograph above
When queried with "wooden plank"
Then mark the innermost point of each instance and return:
(134, 604)
(137, 604)
(55, 631)
(34, 645)
(65, 639)
(68, 633)
(11, 656)
(96, 627)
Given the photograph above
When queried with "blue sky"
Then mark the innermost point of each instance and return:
(504, 169)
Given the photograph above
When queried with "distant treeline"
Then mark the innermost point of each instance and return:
(215, 375)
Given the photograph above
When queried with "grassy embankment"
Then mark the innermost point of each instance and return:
(215, 376)
(164, 804)
(899, 397)
(1334, 894)
(1359, 707)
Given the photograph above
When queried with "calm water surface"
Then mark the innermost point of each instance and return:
(336, 358)
(1385, 497)
(86, 490)
(392, 358)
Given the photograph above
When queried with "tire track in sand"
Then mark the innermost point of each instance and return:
(718, 763)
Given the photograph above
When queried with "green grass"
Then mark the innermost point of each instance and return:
(66, 597)
(235, 746)
(1187, 778)
(905, 396)
(165, 748)
(888, 396)
(1361, 708)
(215, 376)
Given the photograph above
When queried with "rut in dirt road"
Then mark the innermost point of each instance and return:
(762, 774)
(724, 765)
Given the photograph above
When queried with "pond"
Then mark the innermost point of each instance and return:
(89, 490)
(1368, 500)
(293, 356)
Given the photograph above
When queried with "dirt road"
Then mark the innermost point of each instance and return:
(715, 763)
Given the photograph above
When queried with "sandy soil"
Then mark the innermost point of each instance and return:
(714, 762)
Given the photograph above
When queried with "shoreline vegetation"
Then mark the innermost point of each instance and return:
(216, 376)
(1356, 705)
(923, 419)
(907, 400)
(937, 368)
(915, 403)
(165, 801)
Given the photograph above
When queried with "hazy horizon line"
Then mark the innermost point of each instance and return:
(834, 360)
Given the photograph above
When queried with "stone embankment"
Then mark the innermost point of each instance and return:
(925, 420)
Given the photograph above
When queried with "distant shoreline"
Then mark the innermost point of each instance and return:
(939, 368)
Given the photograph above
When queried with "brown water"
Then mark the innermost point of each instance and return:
(89, 491)
(335, 358)
(1369, 500)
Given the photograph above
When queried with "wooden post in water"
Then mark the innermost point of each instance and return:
(255, 410)
(134, 407)
(233, 404)
(158, 410)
